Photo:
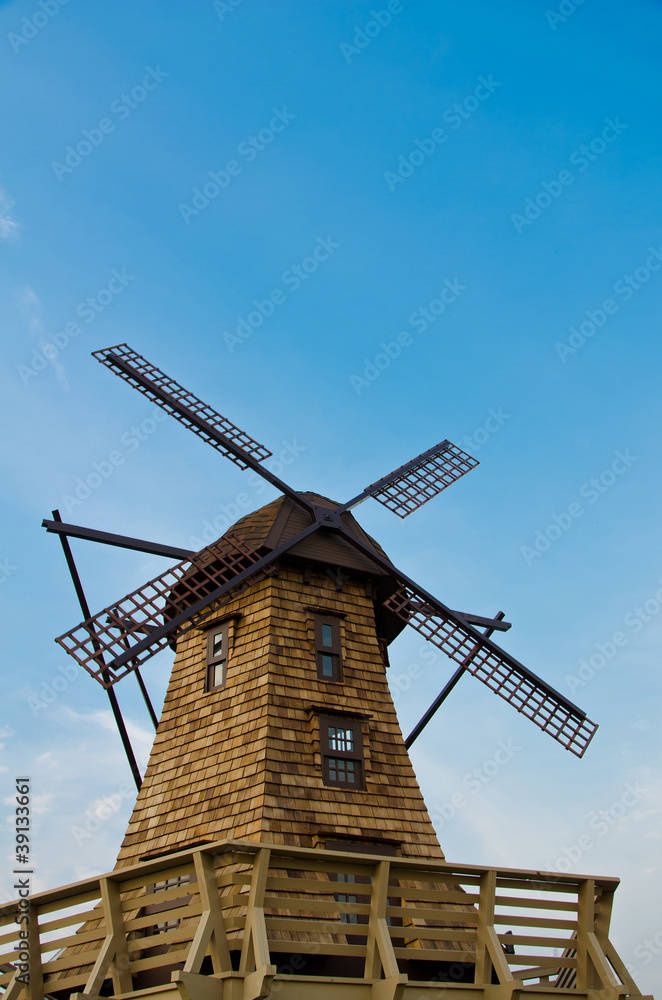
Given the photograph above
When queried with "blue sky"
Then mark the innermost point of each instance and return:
(410, 152)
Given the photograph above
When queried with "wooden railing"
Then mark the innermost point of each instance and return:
(254, 912)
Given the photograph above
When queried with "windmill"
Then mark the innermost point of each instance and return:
(279, 774)
(117, 640)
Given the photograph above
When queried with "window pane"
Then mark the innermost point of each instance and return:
(341, 739)
(217, 645)
(327, 665)
(327, 636)
(341, 770)
(217, 675)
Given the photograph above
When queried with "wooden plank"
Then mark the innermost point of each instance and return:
(70, 962)
(72, 918)
(138, 923)
(72, 940)
(469, 919)
(314, 927)
(551, 923)
(560, 962)
(67, 896)
(542, 904)
(327, 906)
(177, 935)
(71, 982)
(435, 954)
(158, 961)
(536, 941)
(292, 945)
(443, 897)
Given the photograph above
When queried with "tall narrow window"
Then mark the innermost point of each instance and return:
(327, 648)
(217, 656)
(342, 752)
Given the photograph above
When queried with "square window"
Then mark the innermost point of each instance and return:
(342, 752)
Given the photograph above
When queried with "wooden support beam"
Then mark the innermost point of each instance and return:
(604, 904)
(114, 955)
(392, 988)
(14, 989)
(36, 985)
(210, 933)
(593, 971)
(489, 953)
(257, 985)
(191, 986)
(379, 948)
(621, 970)
(255, 948)
(598, 959)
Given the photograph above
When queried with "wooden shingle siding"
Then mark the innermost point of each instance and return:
(244, 761)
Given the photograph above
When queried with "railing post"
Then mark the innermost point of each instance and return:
(593, 968)
(489, 953)
(586, 978)
(114, 954)
(604, 905)
(255, 960)
(211, 928)
(379, 947)
(36, 984)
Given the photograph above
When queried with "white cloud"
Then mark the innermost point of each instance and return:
(8, 225)
(31, 309)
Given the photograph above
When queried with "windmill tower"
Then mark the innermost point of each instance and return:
(279, 774)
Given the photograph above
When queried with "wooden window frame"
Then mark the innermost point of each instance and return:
(214, 661)
(330, 753)
(334, 650)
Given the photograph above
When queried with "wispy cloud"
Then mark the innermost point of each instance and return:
(31, 309)
(8, 225)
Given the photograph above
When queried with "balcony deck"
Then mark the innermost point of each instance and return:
(241, 920)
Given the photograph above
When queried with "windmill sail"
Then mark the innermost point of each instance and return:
(187, 408)
(501, 673)
(407, 488)
(146, 619)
